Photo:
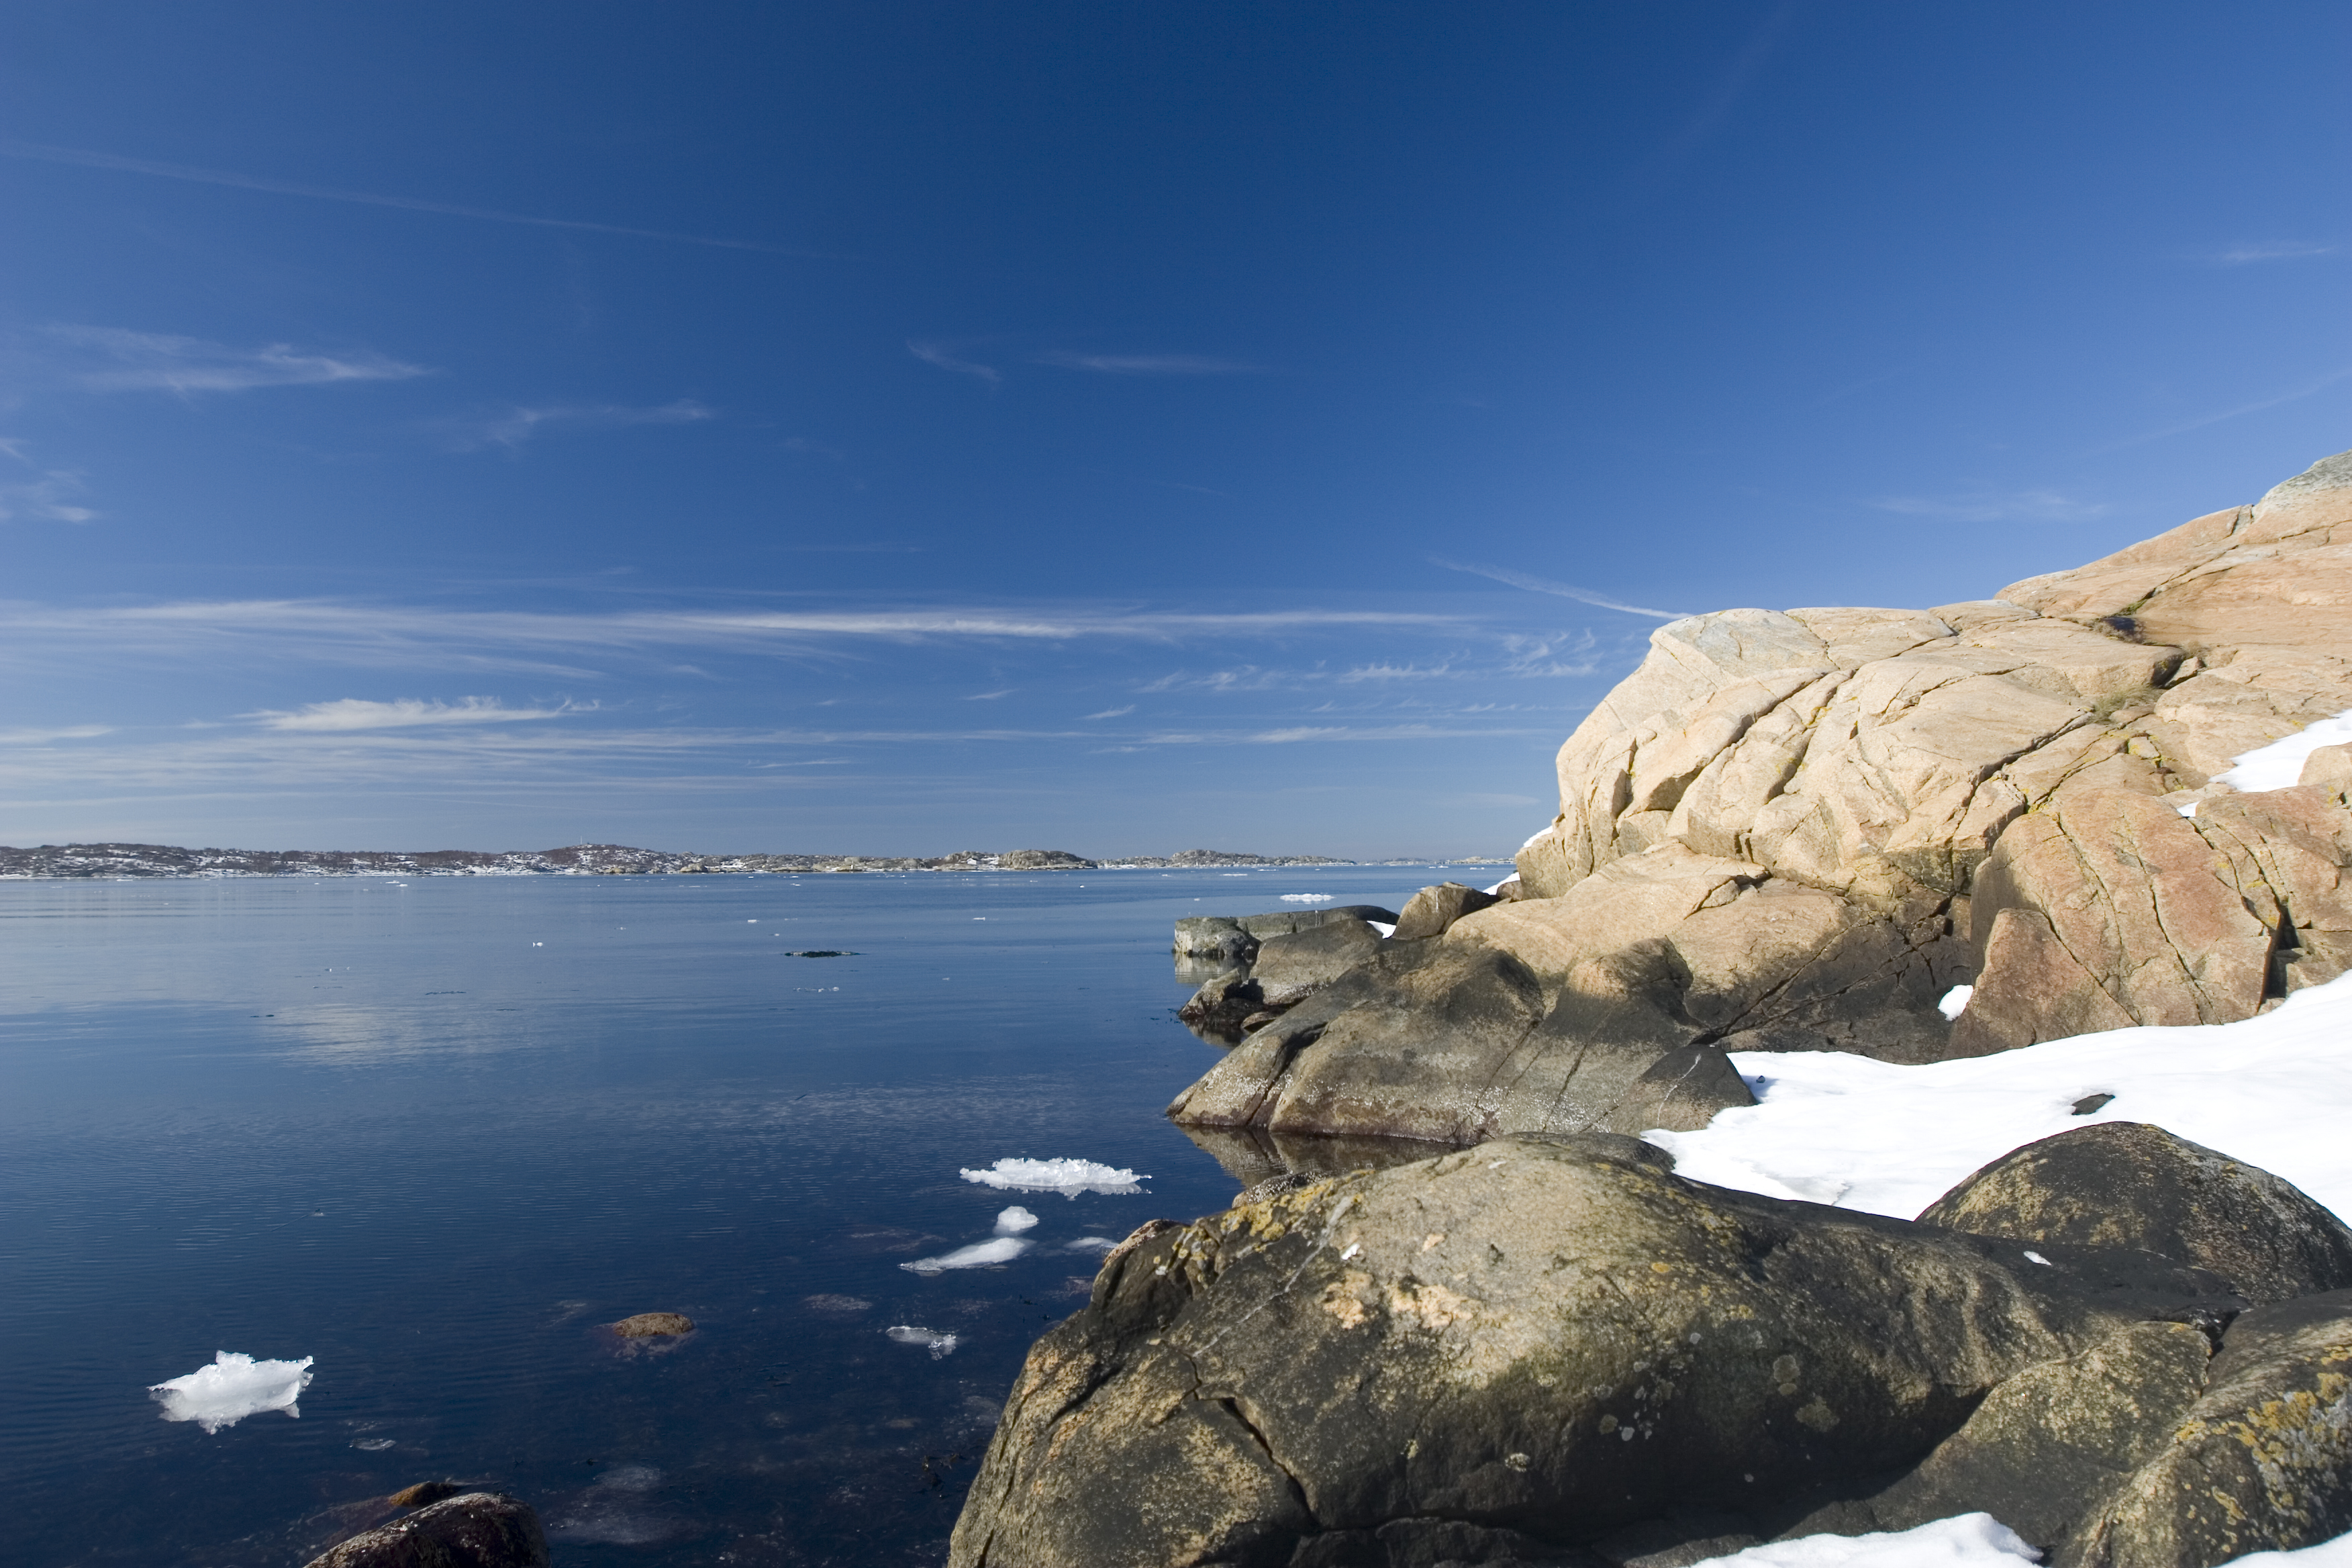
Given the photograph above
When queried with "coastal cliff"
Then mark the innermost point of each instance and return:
(1787, 831)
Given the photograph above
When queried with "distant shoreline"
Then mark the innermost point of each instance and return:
(87, 861)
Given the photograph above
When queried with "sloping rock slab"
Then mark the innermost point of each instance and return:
(480, 1529)
(1555, 1337)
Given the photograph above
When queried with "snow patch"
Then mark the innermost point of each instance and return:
(1956, 1001)
(1970, 1541)
(234, 1387)
(978, 1255)
(1498, 886)
(1068, 1177)
(1869, 1135)
(2336, 1553)
(2280, 763)
(1383, 927)
(941, 1346)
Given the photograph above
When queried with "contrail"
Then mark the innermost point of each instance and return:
(37, 152)
(1545, 585)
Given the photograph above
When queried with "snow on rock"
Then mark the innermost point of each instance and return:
(234, 1387)
(978, 1255)
(1068, 1177)
(1956, 1001)
(1969, 1540)
(940, 1345)
(1838, 1129)
(1386, 928)
(2280, 764)
(2336, 1553)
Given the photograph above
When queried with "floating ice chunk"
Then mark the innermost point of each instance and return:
(1092, 1244)
(372, 1445)
(1969, 1540)
(1015, 1220)
(978, 1255)
(234, 1387)
(940, 1345)
(2280, 763)
(1068, 1177)
(1956, 1001)
(1309, 898)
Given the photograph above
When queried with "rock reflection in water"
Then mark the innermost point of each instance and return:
(1251, 1154)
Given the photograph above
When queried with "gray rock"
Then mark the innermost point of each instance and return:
(2126, 1183)
(1553, 1337)
(1229, 1005)
(2260, 1462)
(1289, 922)
(479, 1530)
(1316, 957)
(1431, 910)
(1214, 937)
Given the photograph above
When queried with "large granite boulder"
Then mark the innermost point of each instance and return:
(1543, 1345)
(1433, 909)
(1987, 792)
(479, 1530)
(2127, 1183)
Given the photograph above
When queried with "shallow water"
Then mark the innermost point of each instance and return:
(435, 1135)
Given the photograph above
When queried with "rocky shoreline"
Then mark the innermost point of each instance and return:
(86, 860)
(1464, 1314)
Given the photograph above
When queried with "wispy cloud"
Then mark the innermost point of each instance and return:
(43, 737)
(2307, 389)
(113, 359)
(1149, 365)
(2040, 506)
(519, 424)
(2272, 250)
(1730, 88)
(944, 357)
(990, 696)
(1546, 586)
(1114, 712)
(43, 497)
(79, 157)
(350, 713)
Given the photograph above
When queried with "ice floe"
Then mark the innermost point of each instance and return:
(1863, 1134)
(1969, 1540)
(234, 1387)
(940, 1345)
(1068, 1177)
(1310, 898)
(1090, 1244)
(2280, 763)
(978, 1255)
(1015, 1220)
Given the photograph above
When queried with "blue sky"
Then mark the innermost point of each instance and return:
(1113, 427)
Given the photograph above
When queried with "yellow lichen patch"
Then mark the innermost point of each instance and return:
(1343, 1298)
(1432, 1306)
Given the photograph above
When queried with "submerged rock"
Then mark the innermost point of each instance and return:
(479, 1530)
(2126, 1183)
(649, 1325)
(1547, 1339)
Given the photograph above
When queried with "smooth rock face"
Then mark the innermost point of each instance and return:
(2260, 1462)
(479, 1530)
(1453, 1043)
(1431, 910)
(1315, 956)
(2126, 1183)
(1555, 1337)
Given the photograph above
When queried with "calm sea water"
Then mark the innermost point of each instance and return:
(435, 1135)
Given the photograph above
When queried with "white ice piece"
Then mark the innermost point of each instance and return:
(940, 1345)
(2276, 1088)
(978, 1255)
(1309, 898)
(1956, 1001)
(2280, 763)
(1015, 1220)
(1969, 1541)
(234, 1387)
(1068, 1177)
(1092, 1244)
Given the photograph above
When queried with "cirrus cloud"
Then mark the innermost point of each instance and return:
(350, 713)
